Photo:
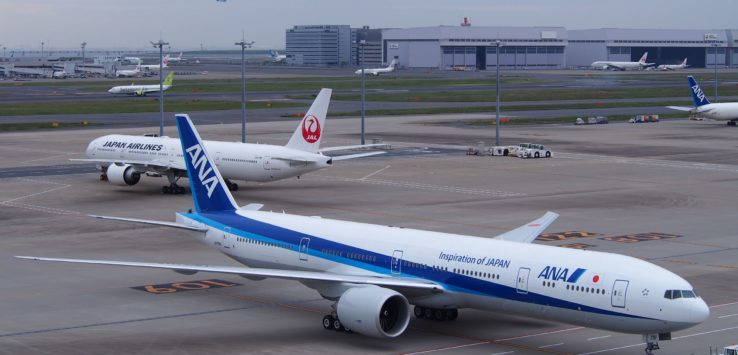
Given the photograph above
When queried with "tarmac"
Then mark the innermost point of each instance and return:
(664, 192)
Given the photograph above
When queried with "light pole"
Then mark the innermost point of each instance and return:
(83, 45)
(363, 91)
(497, 91)
(243, 45)
(160, 44)
(42, 50)
(715, 48)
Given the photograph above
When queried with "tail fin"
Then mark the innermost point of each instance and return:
(684, 62)
(699, 97)
(209, 191)
(165, 61)
(180, 56)
(643, 58)
(169, 79)
(308, 134)
(392, 64)
(273, 53)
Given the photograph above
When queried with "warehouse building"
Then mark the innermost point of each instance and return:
(702, 48)
(475, 48)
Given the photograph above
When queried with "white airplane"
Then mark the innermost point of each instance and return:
(157, 67)
(673, 66)
(177, 59)
(276, 57)
(142, 90)
(374, 273)
(640, 64)
(129, 72)
(376, 71)
(123, 158)
(723, 111)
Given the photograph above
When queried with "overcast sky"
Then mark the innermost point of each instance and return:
(186, 24)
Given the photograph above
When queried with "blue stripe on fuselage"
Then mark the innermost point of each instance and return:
(381, 264)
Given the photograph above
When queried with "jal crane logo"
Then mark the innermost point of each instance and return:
(310, 129)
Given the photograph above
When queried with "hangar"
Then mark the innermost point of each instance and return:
(470, 48)
(702, 48)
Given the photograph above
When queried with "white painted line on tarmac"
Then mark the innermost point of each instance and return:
(35, 194)
(728, 315)
(597, 338)
(506, 352)
(724, 304)
(550, 345)
(376, 172)
(674, 338)
(540, 334)
(450, 348)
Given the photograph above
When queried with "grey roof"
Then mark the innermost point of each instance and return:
(446, 32)
(632, 34)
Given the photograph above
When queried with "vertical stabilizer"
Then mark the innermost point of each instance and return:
(309, 132)
(643, 58)
(699, 97)
(209, 191)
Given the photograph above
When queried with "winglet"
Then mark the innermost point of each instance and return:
(530, 231)
(209, 191)
(309, 133)
(698, 96)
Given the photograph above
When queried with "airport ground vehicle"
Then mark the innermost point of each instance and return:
(644, 119)
(592, 120)
(530, 150)
(522, 150)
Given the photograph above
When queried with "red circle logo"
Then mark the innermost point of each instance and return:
(311, 129)
(596, 278)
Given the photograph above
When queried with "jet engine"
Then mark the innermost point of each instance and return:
(374, 311)
(123, 175)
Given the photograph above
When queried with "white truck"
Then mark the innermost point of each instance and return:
(522, 150)
(531, 150)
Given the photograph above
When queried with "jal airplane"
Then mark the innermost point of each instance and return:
(673, 66)
(176, 59)
(724, 111)
(376, 71)
(640, 64)
(157, 67)
(142, 90)
(129, 72)
(276, 57)
(123, 159)
(374, 273)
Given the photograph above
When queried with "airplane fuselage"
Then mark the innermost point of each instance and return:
(620, 65)
(238, 161)
(725, 111)
(136, 89)
(592, 289)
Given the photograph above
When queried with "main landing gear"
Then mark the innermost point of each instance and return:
(331, 322)
(172, 188)
(232, 186)
(436, 314)
(732, 123)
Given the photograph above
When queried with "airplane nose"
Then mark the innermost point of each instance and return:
(700, 312)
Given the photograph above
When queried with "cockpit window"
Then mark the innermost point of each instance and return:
(674, 294)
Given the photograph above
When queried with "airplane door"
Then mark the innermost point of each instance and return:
(619, 291)
(228, 244)
(304, 243)
(396, 262)
(523, 275)
(266, 163)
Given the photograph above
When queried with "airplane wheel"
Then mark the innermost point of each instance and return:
(328, 322)
(428, 313)
(337, 324)
(418, 312)
(439, 315)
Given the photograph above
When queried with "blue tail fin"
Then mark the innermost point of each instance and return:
(209, 191)
(699, 97)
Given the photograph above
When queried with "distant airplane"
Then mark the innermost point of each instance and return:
(129, 72)
(374, 274)
(641, 64)
(276, 57)
(376, 71)
(177, 59)
(135, 60)
(157, 67)
(60, 74)
(673, 66)
(142, 90)
(724, 111)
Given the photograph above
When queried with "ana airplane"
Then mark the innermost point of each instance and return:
(376, 71)
(129, 72)
(142, 90)
(724, 111)
(157, 67)
(673, 66)
(177, 59)
(123, 159)
(276, 57)
(640, 64)
(374, 273)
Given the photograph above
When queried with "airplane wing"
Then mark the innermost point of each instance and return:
(349, 147)
(680, 108)
(390, 282)
(354, 156)
(530, 231)
(166, 164)
(156, 223)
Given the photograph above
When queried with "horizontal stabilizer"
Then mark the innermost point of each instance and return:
(354, 156)
(252, 207)
(530, 231)
(680, 108)
(350, 147)
(153, 223)
(390, 282)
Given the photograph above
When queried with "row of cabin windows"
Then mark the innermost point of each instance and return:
(240, 160)
(355, 256)
(487, 275)
(269, 244)
(595, 290)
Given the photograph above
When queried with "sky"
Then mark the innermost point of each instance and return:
(186, 24)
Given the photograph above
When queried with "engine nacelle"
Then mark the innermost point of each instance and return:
(123, 175)
(374, 311)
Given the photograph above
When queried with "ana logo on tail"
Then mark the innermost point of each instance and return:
(698, 92)
(200, 164)
(311, 129)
